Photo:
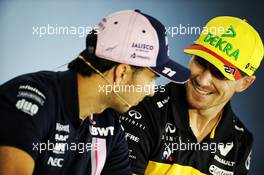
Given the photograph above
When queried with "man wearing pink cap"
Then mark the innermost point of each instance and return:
(66, 122)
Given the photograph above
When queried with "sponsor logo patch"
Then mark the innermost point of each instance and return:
(55, 162)
(170, 128)
(230, 70)
(131, 137)
(219, 171)
(222, 44)
(32, 89)
(247, 163)
(223, 161)
(60, 127)
(166, 155)
(250, 67)
(225, 148)
(27, 107)
(168, 71)
(163, 102)
(142, 46)
(134, 114)
(101, 131)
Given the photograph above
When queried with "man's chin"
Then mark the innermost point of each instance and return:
(196, 104)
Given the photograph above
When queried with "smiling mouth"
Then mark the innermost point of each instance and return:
(199, 90)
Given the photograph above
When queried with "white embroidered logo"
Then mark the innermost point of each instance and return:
(27, 107)
(224, 149)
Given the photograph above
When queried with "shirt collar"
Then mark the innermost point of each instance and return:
(225, 128)
(179, 106)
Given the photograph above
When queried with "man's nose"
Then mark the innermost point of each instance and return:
(205, 78)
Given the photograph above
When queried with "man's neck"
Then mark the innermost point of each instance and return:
(203, 121)
(91, 100)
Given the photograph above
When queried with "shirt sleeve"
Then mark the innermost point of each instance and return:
(140, 132)
(23, 120)
(117, 161)
(244, 153)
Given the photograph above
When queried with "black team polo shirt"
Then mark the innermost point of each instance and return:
(161, 141)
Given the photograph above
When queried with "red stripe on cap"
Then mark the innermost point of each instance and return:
(237, 74)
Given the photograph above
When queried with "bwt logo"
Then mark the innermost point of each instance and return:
(27, 107)
(102, 131)
(134, 114)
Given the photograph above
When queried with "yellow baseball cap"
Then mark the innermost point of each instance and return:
(231, 45)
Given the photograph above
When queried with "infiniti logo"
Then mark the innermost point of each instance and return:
(135, 114)
(170, 128)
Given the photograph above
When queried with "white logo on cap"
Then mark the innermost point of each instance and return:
(168, 71)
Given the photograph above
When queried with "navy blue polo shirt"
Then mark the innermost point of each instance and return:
(40, 115)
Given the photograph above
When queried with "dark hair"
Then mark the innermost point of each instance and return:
(81, 67)
(100, 64)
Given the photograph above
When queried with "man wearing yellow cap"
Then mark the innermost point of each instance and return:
(190, 129)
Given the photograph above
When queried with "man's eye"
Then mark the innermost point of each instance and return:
(219, 75)
(214, 71)
(200, 62)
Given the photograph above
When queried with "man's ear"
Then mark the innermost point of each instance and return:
(122, 72)
(245, 83)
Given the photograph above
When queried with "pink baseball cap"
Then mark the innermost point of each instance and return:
(134, 38)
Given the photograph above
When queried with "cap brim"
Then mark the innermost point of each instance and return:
(172, 71)
(214, 59)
